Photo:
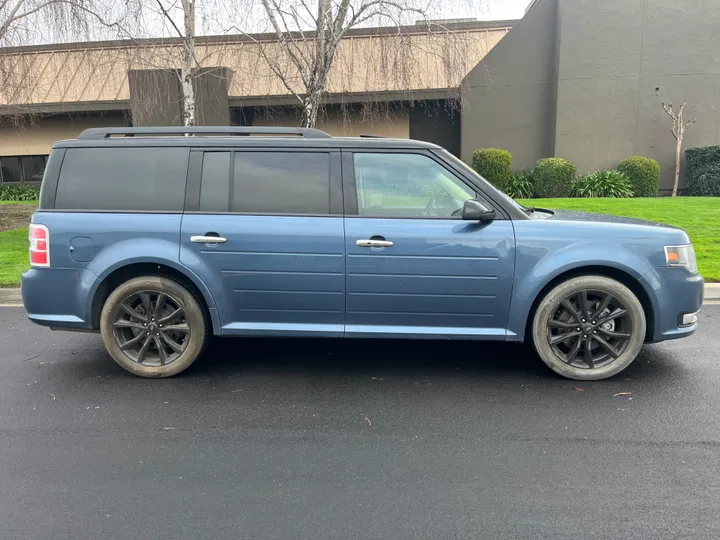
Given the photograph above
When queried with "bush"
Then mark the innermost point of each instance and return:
(19, 193)
(643, 173)
(493, 165)
(554, 177)
(520, 185)
(702, 171)
(603, 184)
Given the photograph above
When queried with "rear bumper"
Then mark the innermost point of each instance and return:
(58, 297)
(675, 293)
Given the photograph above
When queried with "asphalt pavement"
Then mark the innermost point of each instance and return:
(325, 439)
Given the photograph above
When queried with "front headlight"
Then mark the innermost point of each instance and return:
(681, 256)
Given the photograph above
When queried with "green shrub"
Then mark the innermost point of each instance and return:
(554, 177)
(19, 193)
(702, 171)
(493, 165)
(520, 185)
(643, 173)
(603, 184)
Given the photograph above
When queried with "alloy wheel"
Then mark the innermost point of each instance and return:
(589, 329)
(150, 328)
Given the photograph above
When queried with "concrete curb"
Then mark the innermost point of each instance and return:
(12, 297)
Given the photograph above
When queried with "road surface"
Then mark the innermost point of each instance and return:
(322, 439)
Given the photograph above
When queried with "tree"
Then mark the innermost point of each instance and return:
(188, 58)
(678, 129)
(31, 21)
(309, 33)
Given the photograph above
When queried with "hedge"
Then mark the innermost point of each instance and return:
(643, 173)
(554, 177)
(494, 165)
(702, 171)
(19, 193)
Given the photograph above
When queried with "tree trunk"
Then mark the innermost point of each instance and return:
(188, 64)
(678, 150)
(311, 107)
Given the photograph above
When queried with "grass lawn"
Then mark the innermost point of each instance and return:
(13, 256)
(698, 216)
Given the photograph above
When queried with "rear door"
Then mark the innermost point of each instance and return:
(263, 228)
(414, 267)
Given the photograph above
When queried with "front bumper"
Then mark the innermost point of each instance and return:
(676, 295)
(58, 297)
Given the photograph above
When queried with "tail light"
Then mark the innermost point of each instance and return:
(39, 245)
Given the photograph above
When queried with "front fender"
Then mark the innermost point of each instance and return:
(144, 250)
(536, 267)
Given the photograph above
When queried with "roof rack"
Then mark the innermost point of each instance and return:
(205, 131)
(366, 136)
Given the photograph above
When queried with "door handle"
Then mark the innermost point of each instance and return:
(208, 239)
(373, 243)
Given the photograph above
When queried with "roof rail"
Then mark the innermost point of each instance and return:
(367, 136)
(218, 131)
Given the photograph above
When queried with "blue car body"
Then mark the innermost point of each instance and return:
(294, 275)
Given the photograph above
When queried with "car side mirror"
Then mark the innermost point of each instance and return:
(474, 210)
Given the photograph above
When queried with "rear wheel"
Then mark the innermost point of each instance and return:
(589, 328)
(153, 327)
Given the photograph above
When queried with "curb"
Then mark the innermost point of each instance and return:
(12, 297)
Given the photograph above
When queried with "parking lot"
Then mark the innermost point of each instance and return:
(328, 439)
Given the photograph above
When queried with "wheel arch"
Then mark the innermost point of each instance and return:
(123, 273)
(606, 271)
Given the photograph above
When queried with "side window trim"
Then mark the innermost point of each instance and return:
(192, 199)
(350, 186)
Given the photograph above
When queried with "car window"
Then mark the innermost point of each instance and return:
(281, 183)
(123, 179)
(407, 185)
(215, 185)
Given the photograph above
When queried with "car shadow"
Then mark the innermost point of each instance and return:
(368, 357)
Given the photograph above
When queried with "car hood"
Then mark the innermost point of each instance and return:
(571, 215)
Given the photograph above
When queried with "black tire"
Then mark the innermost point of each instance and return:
(562, 328)
(158, 315)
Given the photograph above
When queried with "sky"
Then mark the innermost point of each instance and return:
(506, 9)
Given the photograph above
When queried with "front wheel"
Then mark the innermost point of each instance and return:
(153, 327)
(589, 328)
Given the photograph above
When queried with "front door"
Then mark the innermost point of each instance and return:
(264, 230)
(414, 267)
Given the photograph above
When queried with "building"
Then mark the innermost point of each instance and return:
(579, 79)
(585, 80)
(383, 83)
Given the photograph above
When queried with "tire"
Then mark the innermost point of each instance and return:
(561, 319)
(161, 307)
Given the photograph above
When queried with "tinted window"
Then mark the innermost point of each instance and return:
(215, 187)
(407, 185)
(11, 169)
(33, 167)
(145, 179)
(281, 183)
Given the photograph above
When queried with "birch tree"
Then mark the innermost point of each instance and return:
(309, 33)
(679, 126)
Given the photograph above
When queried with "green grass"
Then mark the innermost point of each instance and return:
(13, 256)
(698, 216)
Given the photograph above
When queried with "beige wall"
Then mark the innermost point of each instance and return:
(364, 64)
(38, 136)
(393, 122)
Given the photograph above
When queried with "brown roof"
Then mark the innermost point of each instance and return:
(375, 60)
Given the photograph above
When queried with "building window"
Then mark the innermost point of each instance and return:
(16, 169)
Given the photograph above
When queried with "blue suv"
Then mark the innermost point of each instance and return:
(159, 238)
